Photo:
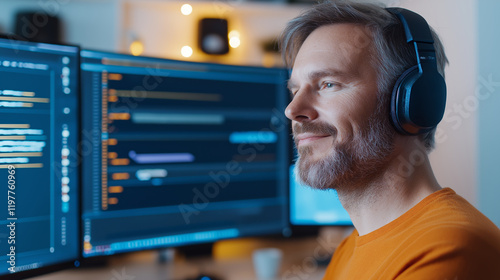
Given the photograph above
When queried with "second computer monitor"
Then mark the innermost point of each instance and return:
(178, 153)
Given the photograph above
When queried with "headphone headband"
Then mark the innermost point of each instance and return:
(416, 27)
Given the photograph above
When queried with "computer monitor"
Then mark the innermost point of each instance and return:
(180, 153)
(313, 207)
(39, 132)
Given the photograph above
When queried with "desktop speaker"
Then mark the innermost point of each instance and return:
(213, 37)
(38, 27)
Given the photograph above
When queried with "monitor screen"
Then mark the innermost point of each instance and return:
(313, 207)
(180, 152)
(39, 132)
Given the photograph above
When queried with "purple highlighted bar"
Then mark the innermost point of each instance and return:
(161, 158)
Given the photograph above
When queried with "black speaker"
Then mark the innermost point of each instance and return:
(212, 36)
(38, 27)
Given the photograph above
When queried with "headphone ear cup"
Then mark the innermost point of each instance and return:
(418, 100)
(400, 100)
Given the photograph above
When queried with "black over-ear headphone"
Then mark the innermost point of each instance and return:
(419, 95)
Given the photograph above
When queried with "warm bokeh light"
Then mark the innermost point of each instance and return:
(233, 33)
(234, 42)
(234, 39)
(186, 51)
(186, 9)
(136, 48)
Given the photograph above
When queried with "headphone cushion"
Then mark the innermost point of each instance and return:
(399, 98)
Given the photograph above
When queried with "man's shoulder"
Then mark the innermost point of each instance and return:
(454, 224)
(451, 237)
(452, 212)
(468, 250)
(457, 236)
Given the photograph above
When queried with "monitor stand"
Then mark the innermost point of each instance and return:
(189, 252)
(204, 277)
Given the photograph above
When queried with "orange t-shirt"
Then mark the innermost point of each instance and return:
(443, 237)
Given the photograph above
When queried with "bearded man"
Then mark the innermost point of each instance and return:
(367, 92)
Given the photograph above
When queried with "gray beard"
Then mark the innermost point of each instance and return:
(349, 164)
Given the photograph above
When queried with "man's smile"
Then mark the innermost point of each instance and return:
(309, 138)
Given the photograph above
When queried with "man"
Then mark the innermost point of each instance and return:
(346, 58)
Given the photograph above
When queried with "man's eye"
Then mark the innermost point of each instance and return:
(326, 85)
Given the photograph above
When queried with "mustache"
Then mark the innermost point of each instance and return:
(316, 128)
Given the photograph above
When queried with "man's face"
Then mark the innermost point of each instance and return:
(341, 134)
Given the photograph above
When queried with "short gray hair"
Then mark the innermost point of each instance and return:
(392, 55)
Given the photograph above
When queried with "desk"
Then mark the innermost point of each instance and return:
(302, 260)
(240, 269)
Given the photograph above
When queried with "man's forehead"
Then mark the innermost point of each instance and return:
(342, 46)
(338, 37)
(357, 33)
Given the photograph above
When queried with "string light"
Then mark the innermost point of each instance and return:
(234, 42)
(186, 9)
(186, 51)
(234, 39)
(136, 48)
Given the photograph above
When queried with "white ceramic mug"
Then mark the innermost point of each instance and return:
(267, 262)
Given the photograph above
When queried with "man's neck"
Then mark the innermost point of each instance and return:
(390, 195)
